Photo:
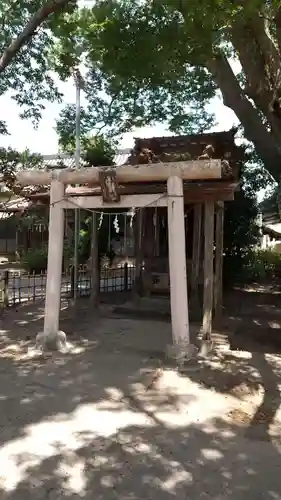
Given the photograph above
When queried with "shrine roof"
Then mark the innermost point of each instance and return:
(176, 148)
(223, 144)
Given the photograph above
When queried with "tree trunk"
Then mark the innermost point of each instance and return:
(260, 60)
(255, 130)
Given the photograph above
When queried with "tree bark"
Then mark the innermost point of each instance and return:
(36, 20)
(235, 98)
(260, 60)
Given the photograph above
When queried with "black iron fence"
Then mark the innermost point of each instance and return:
(17, 286)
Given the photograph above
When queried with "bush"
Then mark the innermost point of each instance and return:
(258, 265)
(98, 151)
(265, 264)
(35, 260)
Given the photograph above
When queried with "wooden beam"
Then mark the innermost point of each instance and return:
(191, 195)
(200, 197)
(148, 250)
(156, 232)
(137, 288)
(220, 190)
(196, 253)
(95, 274)
(218, 285)
(208, 186)
(127, 201)
(188, 170)
(208, 270)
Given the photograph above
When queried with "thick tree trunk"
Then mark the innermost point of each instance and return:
(255, 130)
(260, 60)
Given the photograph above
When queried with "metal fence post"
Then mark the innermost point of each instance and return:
(6, 290)
(126, 277)
(72, 281)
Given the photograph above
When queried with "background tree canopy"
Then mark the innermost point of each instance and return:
(151, 61)
(27, 38)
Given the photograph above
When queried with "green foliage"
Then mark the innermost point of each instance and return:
(30, 219)
(240, 235)
(138, 60)
(151, 61)
(35, 260)
(98, 151)
(270, 204)
(104, 233)
(262, 265)
(137, 70)
(84, 241)
(65, 128)
(70, 45)
(241, 232)
(11, 161)
(28, 79)
(95, 150)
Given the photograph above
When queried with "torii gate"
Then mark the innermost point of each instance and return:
(173, 173)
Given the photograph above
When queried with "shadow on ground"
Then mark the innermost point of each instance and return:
(253, 314)
(84, 425)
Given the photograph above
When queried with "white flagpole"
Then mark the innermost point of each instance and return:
(78, 85)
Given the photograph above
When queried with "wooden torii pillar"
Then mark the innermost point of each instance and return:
(173, 173)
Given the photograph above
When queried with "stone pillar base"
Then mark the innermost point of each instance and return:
(51, 341)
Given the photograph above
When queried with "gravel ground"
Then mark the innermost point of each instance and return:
(90, 424)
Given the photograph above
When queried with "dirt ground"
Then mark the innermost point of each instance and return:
(92, 423)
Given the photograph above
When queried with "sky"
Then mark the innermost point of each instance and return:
(44, 139)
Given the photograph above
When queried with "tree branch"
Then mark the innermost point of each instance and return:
(36, 20)
(235, 98)
(109, 114)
